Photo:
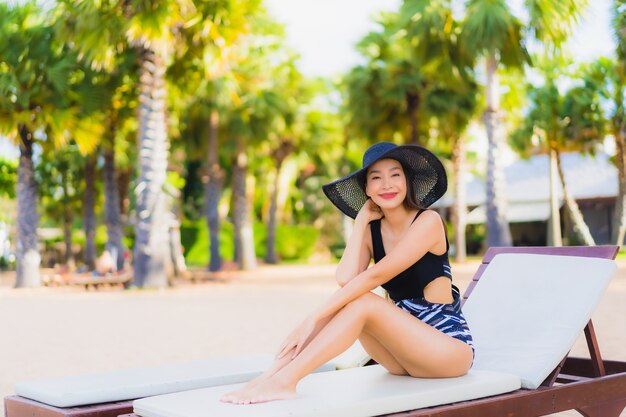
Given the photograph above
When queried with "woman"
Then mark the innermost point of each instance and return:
(423, 332)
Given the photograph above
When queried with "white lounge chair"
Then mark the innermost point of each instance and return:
(109, 393)
(525, 313)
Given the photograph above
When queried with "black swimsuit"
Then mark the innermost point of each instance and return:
(407, 289)
(411, 282)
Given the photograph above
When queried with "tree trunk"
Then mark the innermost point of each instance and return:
(270, 254)
(151, 227)
(578, 222)
(245, 255)
(554, 225)
(176, 248)
(498, 232)
(412, 107)
(123, 187)
(89, 216)
(69, 261)
(213, 193)
(112, 216)
(619, 216)
(459, 212)
(28, 257)
(280, 154)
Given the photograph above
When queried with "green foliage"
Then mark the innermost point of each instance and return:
(491, 28)
(35, 69)
(100, 240)
(551, 21)
(619, 26)
(230, 58)
(475, 237)
(8, 177)
(195, 240)
(60, 180)
(583, 118)
(569, 121)
(296, 242)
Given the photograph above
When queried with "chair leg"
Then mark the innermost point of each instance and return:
(606, 409)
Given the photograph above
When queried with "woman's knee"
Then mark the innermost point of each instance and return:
(362, 305)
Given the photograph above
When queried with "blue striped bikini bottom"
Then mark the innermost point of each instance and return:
(446, 318)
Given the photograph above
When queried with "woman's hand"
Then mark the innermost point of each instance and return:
(370, 211)
(298, 337)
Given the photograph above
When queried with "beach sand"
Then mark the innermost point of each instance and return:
(61, 331)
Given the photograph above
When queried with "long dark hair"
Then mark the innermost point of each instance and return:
(410, 201)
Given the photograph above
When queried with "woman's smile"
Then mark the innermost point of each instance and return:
(388, 196)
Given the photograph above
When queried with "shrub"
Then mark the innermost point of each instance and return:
(292, 242)
(296, 242)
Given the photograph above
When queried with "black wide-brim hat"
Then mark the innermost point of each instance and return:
(422, 167)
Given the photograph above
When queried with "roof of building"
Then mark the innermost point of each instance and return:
(527, 180)
(527, 187)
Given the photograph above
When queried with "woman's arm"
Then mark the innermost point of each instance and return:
(356, 256)
(422, 236)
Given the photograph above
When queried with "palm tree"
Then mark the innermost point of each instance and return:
(385, 95)
(584, 128)
(149, 27)
(103, 98)
(255, 107)
(119, 108)
(89, 215)
(33, 82)
(450, 96)
(60, 173)
(207, 64)
(492, 31)
(453, 109)
(291, 121)
(562, 123)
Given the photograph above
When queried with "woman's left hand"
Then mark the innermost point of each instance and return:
(298, 338)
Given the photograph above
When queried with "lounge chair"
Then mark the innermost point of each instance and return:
(525, 313)
(110, 394)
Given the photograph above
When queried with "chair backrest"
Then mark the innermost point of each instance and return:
(527, 310)
(602, 252)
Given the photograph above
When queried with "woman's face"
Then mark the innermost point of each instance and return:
(386, 183)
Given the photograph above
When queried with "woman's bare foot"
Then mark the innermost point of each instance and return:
(269, 390)
(276, 366)
(230, 396)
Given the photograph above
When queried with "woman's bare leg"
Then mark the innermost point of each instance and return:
(279, 363)
(380, 354)
(417, 347)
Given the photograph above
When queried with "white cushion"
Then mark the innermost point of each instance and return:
(352, 392)
(526, 311)
(355, 356)
(142, 382)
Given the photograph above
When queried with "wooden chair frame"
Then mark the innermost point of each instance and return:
(592, 386)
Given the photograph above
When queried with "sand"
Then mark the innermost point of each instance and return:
(67, 331)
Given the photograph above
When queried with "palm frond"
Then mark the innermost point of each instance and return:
(59, 73)
(490, 27)
(553, 21)
(87, 133)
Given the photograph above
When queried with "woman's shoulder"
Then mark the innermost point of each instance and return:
(431, 220)
(428, 215)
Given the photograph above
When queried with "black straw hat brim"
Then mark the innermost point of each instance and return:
(424, 169)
